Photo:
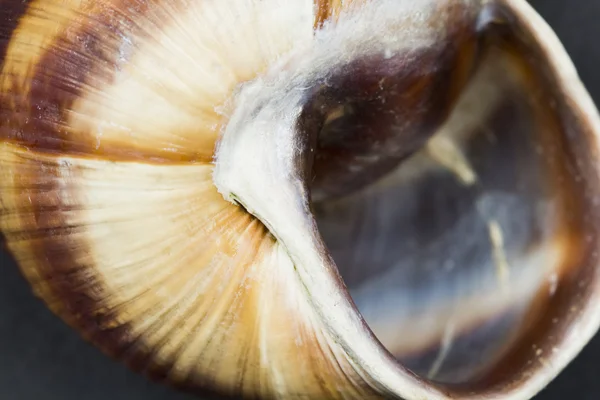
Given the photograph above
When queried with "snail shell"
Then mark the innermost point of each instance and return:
(305, 199)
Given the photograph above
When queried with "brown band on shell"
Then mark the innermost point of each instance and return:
(85, 274)
(329, 11)
(52, 252)
(85, 49)
(256, 293)
(83, 54)
(10, 15)
(157, 270)
(56, 257)
(326, 10)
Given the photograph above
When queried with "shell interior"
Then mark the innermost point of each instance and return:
(451, 167)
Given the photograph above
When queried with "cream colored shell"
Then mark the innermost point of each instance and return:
(108, 204)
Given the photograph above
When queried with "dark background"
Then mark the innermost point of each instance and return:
(42, 359)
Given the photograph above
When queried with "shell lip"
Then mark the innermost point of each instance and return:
(588, 321)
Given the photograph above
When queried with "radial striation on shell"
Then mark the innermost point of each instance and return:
(178, 179)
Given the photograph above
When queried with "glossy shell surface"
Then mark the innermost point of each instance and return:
(450, 201)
